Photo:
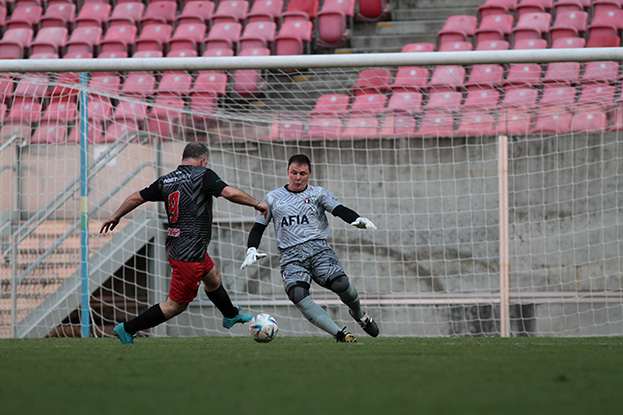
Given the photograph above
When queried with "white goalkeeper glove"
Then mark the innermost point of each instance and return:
(252, 257)
(364, 223)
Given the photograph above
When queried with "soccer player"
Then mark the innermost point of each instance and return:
(187, 195)
(298, 213)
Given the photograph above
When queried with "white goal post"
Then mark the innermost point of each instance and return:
(483, 229)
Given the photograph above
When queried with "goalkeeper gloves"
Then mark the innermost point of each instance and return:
(364, 223)
(252, 257)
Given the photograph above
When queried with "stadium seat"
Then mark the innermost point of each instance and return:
(148, 54)
(15, 43)
(492, 45)
(324, 127)
(107, 84)
(530, 44)
(24, 110)
(58, 15)
(118, 38)
(93, 14)
(196, 12)
(360, 126)
(368, 104)
(557, 95)
(49, 40)
(99, 109)
(568, 24)
(397, 124)
(495, 27)
(410, 78)
(154, 36)
(482, 99)
(372, 81)
(126, 14)
(265, 10)
(181, 53)
(165, 114)
(50, 132)
(204, 96)
(569, 42)
(293, 38)
(161, 11)
(83, 39)
(561, 6)
(286, 130)
(301, 8)
(476, 123)
(64, 87)
(138, 84)
(459, 46)
(533, 6)
(249, 82)
(496, 7)
(3, 15)
(606, 22)
(524, 74)
(24, 16)
(258, 35)
(405, 101)
(603, 41)
(32, 85)
(331, 104)
(118, 130)
(600, 72)
(371, 10)
(562, 73)
(514, 121)
(418, 47)
(6, 88)
(552, 120)
(333, 23)
(233, 11)
(436, 124)
(444, 101)
(485, 76)
(447, 78)
(596, 94)
(223, 34)
(457, 28)
(523, 97)
(600, 6)
(64, 110)
(531, 26)
(131, 111)
(589, 120)
(187, 36)
(617, 122)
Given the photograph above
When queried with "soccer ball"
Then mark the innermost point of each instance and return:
(263, 328)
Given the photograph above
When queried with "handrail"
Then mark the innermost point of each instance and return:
(8, 142)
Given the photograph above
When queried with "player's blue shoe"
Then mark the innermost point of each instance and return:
(124, 336)
(239, 318)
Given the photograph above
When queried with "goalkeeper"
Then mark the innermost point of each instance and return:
(302, 229)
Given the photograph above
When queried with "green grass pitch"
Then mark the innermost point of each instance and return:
(312, 375)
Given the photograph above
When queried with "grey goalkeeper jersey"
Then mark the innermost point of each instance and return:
(299, 217)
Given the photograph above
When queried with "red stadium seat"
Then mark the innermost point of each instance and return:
(58, 15)
(371, 10)
(485, 76)
(617, 122)
(524, 74)
(530, 44)
(606, 22)
(601, 72)
(187, 36)
(447, 77)
(410, 78)
(50, 132)
(32, 85)
(444, 101)
(331, 104)
(360, 126)
(397, 124)
(293, 38)
(258, 35)
(181, 53)
(492, 45)
(495, 27)
(93, 14)
(533, 6)
(589, 120)
(557, 95)
(482, 99)
(118, 130)
(204, 96)
(561, 6)
(25, 110)
(476, 123)
(161, 11)
(568, 24)
(233, 11)
(49, 40)
(368, 104)
(552, 120)
(107, 84)
(15, 43)
(3, 15)
(436, 124)
(131, 111)
(460, 46)
(303, 8)
(372, 81)
(24, 16)
(154, 36)
(568, 42)
(532, 26)
(596, 94)
(514, 121)
(457, 28)
(405, 101)
(333, 22)
(138, 84)
(600, 6)
(523, 97)
(603, 41)
(265, 10)
(118, 38)
(562, 73)
(286, 130)
(249, 82)
(418, 47)
(64, 110)
(496, 7)
(83, 39)
(126, 14)
(223, 34)
(196, 11)
(324, 127)
(165, 115)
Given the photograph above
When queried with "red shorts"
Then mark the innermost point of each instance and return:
(186, 277)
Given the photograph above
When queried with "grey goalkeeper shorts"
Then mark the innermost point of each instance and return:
(311, 260)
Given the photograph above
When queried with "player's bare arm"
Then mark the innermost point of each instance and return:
(132, 202)
(235, 195)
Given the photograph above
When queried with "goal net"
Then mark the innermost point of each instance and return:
(493, 179)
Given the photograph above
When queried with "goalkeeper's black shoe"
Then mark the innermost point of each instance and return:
(367, 324)
(344, 336)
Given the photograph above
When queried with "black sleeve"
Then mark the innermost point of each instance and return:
(255, 236)
(346, 214)
(152, 193)
(212, 183)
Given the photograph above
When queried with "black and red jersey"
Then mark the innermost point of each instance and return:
(187, 195)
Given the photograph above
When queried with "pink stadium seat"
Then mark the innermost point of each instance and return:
(304, 8)
(444, 101)
(95, 133)
(161, 11)
(64, 87)
(476, 123)
(154, 36)
(418, 47)
(530, 44)
(49, 40)
(6, 87)
(600, 6)
(196, 11)
(397, 124)
(286, 130)
(24, 16)
(410, 78)
(485, 76)
(496, 7)
(552, 120)
(83, 39)
(126, 13)
(459, 46)
(568, 24)
(148, 54)
(331, 104)
(568, 42)
(523, 97)
(258, 35)
(596, 94)
(64, 110)
(50, 132)
(58, 15)
(32, 85)
(457, 28)
(25, 110)
(562, 73)
(138, 84)
(482, 99)
(557, 95)
(131, 111)
(15, 43)
(405, 101)
(589, 120)
(603, 41)
(571, 5)
(360, 126)
(249, 82)
(606, 22)
(99, 109)
(600, 72)
(223, 34)
(233, 11)
(93, 14)
(118, 130)
(533, 6)
(495, 27)
(333, 22)
(175, 84)
(293, 38)
(514, 121)
(118, 38)
(265, 10)
(181, 53)
(324, 127)
(3, 15)
(617, 122)
(371, 10)
(532, 26)
(205, 94)
(436, 124)
(447, 77)
(372, 81)
(109, 84)
(187, 36)
(169, 102)
(524, 74)
(368, 104)
(492, 45)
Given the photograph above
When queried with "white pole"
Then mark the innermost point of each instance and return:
(504, 238)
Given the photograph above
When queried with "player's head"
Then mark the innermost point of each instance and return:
(299, 170)
(195, 153)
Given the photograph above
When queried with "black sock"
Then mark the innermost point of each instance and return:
(221, 300)
(150, 318)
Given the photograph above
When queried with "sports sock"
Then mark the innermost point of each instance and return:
(150, 318)
(317, 316)
(221, 300)
(350, 297)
